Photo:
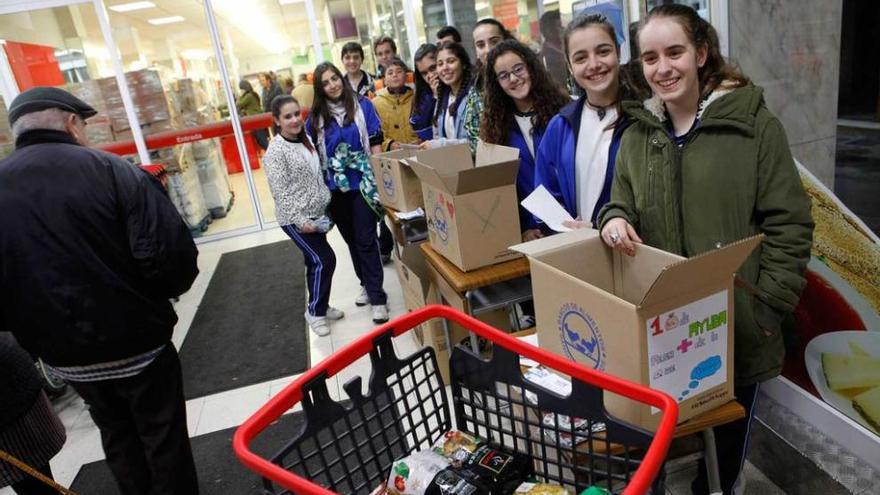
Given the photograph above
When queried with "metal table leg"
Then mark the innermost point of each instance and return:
(711, 457)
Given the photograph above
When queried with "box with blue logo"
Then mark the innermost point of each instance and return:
(470, 205)
(398, 186)
(654, 318)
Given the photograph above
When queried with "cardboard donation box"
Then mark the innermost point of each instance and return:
(398, 186)
(471, 207)
(418, 292)
(656, 318)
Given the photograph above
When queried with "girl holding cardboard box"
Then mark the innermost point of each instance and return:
(575, 160)
(346, 130)
(705, 164)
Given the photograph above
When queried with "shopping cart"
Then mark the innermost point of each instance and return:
(349, 446)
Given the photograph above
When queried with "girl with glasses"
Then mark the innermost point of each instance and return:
(346, 130)
(520, 99)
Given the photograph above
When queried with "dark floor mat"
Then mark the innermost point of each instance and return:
(249, 327)
(220, 472)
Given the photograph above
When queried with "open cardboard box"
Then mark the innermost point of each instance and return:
(656, 318)
(398, 186)
(419, 290)
(471, 206)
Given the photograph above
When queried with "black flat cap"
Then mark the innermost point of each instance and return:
(43, 97)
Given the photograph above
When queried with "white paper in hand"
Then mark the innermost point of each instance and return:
(545, 207)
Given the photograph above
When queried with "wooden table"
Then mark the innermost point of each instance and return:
(478, 291)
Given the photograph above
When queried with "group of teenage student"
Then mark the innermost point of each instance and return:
(676, 150)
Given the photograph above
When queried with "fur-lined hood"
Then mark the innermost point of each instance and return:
(726, 106)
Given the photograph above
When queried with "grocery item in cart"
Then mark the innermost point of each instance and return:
(457, 446)
(529, 488)
(501, 472)
(413, 474)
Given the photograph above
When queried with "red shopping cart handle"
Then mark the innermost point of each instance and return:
(293, 394)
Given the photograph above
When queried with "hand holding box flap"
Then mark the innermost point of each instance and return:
(723, 262)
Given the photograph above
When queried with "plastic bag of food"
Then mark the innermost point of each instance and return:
(412, 475)
(457, 446)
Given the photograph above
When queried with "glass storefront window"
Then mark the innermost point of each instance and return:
(272, 37)
(62, 47)
(176, 85)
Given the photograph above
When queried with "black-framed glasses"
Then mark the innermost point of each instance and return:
(519, 70)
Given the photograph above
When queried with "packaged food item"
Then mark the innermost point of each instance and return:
(452, 481)
(457, 446)
(498, 471)
(529, 488)
(412, 475)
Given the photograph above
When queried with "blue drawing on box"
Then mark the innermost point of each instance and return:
(580, 336)
(388, 183)
(701, 371)
(440, 223)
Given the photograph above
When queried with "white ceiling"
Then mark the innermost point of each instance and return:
(246, 22)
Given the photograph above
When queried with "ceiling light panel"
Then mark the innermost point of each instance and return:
(128, 7)
(166, 20)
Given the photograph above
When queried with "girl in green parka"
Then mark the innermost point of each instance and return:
(705, 164)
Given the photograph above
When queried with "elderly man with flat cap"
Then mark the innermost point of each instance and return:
(90, 253)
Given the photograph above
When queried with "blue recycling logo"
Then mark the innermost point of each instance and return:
(441, 224)
(388, 183)
(580, 336)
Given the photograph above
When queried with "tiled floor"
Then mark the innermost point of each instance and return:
(231, 408)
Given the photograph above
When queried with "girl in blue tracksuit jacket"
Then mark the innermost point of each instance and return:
(456, 82)
(519, 100)
(421, 118)
(575, 160)
(346, 130)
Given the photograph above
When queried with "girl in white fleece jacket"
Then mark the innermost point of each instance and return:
(294, 173)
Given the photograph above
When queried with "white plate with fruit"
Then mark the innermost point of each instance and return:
(845, 369)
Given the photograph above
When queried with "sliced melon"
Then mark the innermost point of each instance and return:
(857, 350)
(843, 372)
(868, 405)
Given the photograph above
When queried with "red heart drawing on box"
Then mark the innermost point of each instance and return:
(451, 210)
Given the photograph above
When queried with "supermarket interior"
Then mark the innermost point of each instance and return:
(165, 77)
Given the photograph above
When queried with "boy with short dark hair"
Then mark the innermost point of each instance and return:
(384, 49)
(352, 59)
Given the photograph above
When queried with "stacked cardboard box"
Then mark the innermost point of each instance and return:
(99, 130)
(185, 191)
(212, 176)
